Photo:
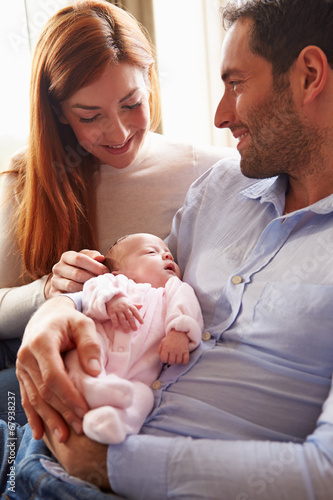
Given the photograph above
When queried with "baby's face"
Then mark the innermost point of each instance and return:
(147, 259)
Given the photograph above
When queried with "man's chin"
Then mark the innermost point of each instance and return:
(250, 169)
(255, 169)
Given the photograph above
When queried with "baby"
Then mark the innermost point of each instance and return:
(145, 316)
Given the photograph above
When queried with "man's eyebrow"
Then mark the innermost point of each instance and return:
(84, 106)
(235, 73)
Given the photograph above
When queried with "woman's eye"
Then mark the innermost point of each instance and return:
(88, 120)
(134, 106)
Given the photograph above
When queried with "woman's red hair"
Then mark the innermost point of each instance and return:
(55, 178)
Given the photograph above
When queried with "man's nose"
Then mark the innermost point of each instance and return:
(224, 115)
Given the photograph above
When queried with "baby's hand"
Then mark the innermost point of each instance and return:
(174, 348)
(122, 312)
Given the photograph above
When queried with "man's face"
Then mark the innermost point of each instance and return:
(260, 112)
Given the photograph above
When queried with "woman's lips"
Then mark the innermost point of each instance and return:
(119, 150)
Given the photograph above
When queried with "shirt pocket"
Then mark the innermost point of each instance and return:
(295, 323)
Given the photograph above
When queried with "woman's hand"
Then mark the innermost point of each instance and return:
(48, 394)
(73, 270)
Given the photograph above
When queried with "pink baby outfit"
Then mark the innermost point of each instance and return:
(120, 397)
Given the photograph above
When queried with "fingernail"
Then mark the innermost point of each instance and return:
(94, 365)
(77, 427)
(58, 435)
(80, 412)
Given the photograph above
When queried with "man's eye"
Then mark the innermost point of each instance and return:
(234, 84)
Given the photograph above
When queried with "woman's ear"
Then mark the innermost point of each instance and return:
(60, 115)
(312, 66)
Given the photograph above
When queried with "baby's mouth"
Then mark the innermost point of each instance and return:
(170, 267)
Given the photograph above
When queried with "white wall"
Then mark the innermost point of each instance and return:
(19, 31)
(189, 37)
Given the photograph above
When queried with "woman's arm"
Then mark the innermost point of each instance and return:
(17, 300)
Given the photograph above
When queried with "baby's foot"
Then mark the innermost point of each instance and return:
(108, 390)
(105, 425)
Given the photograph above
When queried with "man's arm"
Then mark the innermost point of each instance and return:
(81, 457)
(221, 470)
(183, 467)
(149, 467)
(48, 394)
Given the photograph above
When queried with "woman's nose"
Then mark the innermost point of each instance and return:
(115, 131)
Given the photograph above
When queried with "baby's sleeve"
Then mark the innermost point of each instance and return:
(97, 292)
(183, 312)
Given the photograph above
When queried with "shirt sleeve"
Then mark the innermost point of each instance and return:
(76, 297)
(186, 468)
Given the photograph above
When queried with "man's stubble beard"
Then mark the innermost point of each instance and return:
(280, 143)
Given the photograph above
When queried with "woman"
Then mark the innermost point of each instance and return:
(93, 169)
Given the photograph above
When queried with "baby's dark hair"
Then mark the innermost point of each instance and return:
(112, 257)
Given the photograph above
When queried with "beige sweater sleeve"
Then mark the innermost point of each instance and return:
(17, 301)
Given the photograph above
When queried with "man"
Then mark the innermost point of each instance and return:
(256, 400)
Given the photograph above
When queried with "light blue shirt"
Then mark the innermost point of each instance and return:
(252, 396)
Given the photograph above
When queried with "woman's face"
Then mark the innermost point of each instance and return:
(111, 117)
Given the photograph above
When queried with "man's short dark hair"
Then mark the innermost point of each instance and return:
(283, 28)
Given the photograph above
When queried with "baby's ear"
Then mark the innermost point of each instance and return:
(108, 263)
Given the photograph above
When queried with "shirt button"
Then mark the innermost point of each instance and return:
(206, 336)
(120, 349)
(236, 280)
(157, 385)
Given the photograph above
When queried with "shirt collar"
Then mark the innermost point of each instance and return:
(273, 190)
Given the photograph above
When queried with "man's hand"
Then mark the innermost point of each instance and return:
(174, 348)
(47, 392)
(81, 457)
(123, 313)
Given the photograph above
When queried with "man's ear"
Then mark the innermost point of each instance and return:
(313, 66)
